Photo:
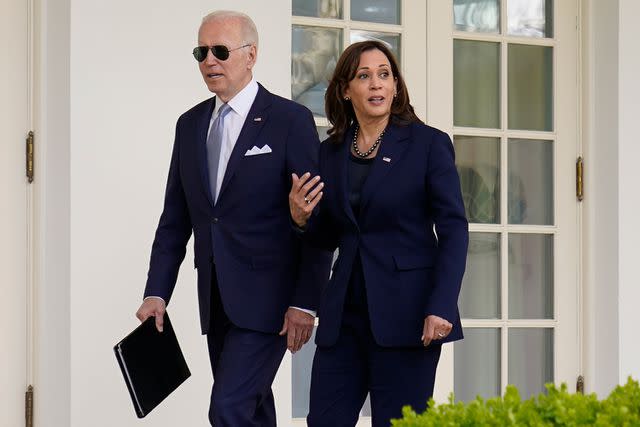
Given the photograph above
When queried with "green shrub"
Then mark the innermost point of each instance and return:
(557, 407)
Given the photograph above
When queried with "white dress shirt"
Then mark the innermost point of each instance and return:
(233, 122)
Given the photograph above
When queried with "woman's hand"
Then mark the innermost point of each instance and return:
(435, 328)
(304, 196)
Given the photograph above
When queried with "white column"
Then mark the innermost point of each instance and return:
(628, 194)
(601, 228)
(52, 373)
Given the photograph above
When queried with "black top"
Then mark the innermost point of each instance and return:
(358, 171)
(356, 298)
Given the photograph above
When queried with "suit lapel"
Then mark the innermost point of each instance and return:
(202, 129)
(248, 134)
(389, 154)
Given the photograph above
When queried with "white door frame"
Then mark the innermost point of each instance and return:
(16, 249)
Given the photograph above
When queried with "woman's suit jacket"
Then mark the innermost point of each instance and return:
(411, 234)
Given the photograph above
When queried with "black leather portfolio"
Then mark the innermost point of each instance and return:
(152, 364)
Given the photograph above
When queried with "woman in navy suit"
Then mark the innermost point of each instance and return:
(389, 200)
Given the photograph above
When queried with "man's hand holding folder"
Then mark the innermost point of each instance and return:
(152, 306)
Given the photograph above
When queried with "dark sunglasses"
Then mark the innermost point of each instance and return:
(219, 51)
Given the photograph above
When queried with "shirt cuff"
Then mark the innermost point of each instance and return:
(311, 312)
(160, 298)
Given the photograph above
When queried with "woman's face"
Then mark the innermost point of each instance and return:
(373, 87)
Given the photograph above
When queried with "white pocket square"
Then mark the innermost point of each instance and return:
(257, 151)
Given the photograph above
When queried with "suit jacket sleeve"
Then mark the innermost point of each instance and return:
(302, 156)
(446, 205)
(172, 234)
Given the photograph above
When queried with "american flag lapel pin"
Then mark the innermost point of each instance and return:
(257, 119)
(386, 159)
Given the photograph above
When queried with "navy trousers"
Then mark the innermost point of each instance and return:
(344, 373)
(244, 364)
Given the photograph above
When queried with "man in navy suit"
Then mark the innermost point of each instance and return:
(229, 179)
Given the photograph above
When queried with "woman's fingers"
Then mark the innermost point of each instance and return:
(311, 195)
(305, 194)
(308, 185)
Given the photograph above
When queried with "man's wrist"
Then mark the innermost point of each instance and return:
(304, 310)
(156, 297)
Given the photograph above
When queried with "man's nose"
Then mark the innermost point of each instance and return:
(210, 59)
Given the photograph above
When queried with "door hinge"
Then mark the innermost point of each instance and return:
(579, 179)
(30, 150)
(580, 384)
(28, 407)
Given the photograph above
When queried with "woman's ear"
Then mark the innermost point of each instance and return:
(345, 95)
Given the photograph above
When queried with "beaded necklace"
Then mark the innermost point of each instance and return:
(370, 150)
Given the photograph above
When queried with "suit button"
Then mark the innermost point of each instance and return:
(214, 220)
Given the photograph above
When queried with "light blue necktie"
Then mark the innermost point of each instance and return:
(214, 146)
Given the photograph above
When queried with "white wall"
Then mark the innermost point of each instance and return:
(132, 74)
(629, 203)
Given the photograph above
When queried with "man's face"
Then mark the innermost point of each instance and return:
(226, 78)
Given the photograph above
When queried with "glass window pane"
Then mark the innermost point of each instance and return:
(530, 192)
(315, 52)
(322, 132)
(530, 276)
(366, 408)
(481, 16)
(391, 40)
(530, 87)
(318, 8)
(476, 84)
(382, 11)
(301, 363)
(477, 364)
(478, 163)
(480, 294)
(530, 18)
(530, 359)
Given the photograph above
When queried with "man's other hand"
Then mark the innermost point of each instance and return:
(298, 326)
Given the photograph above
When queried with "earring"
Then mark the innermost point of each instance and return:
(346, 98)
(395, 95)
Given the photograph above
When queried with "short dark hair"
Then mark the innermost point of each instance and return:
(340, 111)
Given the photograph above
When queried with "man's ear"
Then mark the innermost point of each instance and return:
(252, 56)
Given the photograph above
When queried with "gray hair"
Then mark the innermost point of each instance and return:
(249, 30)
